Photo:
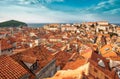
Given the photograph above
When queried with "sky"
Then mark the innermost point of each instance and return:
(60, 11)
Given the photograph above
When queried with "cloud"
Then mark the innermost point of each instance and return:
(50, 1)
(111, 6)
(38, 1)
(37, 11)
(113, 11)
(27, 2)
(42, 14)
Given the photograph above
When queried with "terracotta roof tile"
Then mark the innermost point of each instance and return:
(62, 58)
(5, 44)
(115, 58)
(10, 69)
(74, 64)
(86, 53)
(106, 51)
(28, 59)
(39, 53)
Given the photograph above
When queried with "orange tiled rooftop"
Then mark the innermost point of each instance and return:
(10, 69)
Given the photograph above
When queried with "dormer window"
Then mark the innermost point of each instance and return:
(30, 62)
(34, 66)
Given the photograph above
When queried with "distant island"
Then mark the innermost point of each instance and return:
(12, 23)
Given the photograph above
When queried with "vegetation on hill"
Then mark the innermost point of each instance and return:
(12, 23)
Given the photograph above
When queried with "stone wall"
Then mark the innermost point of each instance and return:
(48, 71)
(26, 76)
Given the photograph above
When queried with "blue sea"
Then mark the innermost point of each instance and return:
(36, 24)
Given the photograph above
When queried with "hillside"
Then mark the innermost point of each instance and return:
(12, 23)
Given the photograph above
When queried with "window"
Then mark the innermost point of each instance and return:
(34, 66)
(31, 67)
(52, 73)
